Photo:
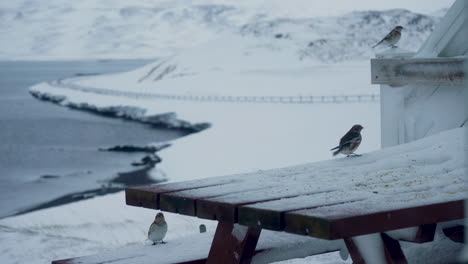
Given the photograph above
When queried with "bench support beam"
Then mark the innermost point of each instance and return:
(456, 233)
(391, 247)
(233, 244)
(424, 234)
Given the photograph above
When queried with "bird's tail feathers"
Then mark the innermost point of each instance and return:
(380, 42)
(336, 152)
(338, 149)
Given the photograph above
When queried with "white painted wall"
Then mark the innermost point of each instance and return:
(411, 112)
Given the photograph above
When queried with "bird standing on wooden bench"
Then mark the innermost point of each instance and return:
(392, 38)
(158, 229)
(349, 142)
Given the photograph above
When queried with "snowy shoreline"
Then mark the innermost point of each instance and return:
(234, 52)
(168, 120)
(135, 175)
(243, 137)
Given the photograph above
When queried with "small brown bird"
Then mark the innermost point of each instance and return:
(349, 142)
(392, 38)
(158, 229)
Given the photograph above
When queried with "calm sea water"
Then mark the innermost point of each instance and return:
(48, 152)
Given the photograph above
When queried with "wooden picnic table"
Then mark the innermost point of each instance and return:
(337, 199)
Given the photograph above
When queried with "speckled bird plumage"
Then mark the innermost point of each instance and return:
(349, 142)
(392, 38)
(158, 229)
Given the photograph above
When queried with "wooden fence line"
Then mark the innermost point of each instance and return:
(300, 99)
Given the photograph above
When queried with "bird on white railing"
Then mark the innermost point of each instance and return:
(392, 38)
(349, 142)
(158, 229)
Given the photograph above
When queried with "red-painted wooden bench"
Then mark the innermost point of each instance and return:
(347, 199)
(264, 201)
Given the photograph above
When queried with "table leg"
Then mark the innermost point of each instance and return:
(456, 233)
(393, 252)
(391, 249)
(424, 234)
(233, 244)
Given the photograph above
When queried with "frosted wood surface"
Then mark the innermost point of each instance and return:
(262, 186)
(426, 171)
(402, 176)
(271, 193)
(249, 183)
(369, 206)
(200, 183)
(396, 190)
(218, 185)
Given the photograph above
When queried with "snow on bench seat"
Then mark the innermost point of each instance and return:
(424, 176)
(271, 247)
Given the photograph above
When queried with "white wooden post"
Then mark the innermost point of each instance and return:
(426, 92)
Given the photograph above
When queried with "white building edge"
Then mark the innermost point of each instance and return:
(426, 92)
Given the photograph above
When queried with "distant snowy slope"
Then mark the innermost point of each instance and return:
(116, 29)
(346, 37)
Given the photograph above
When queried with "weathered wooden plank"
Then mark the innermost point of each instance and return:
(142, 197)
(246, 188)
(225, 207)
(148, 196)
(295, 187)
(306, 193)
(368, 177)
(233, 244)
(187, 201)
(433, 71)
(340, 221)
(216, 211)
(184, 202)
(177, 204)
(270, 215)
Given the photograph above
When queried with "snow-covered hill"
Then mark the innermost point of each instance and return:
(115, 29)
(347, 37)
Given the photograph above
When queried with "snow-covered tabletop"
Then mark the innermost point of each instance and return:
(408, 185)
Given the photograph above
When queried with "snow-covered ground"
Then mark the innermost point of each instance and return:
(104, 223)
(244, 136)
(226, 62)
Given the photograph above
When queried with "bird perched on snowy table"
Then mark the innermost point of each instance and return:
(349, 142)
(392, 38)
(158, 229)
